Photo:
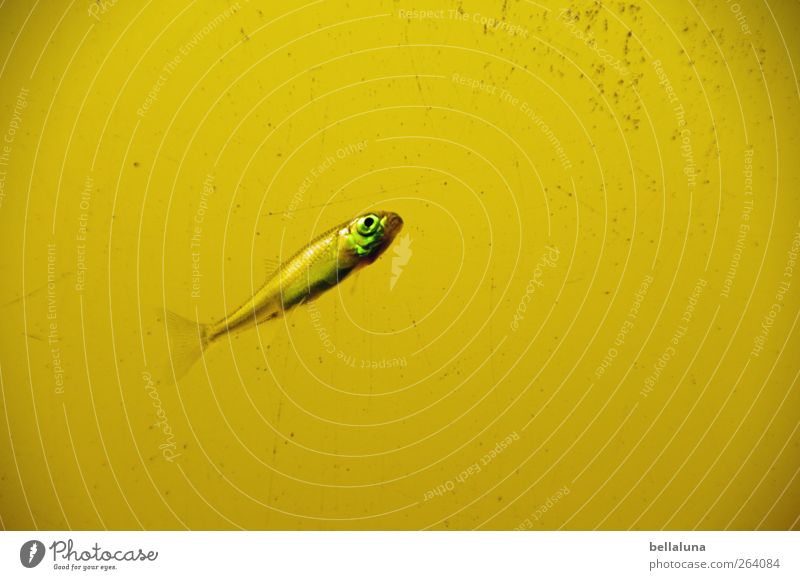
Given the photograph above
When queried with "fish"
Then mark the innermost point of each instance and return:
(319, 266)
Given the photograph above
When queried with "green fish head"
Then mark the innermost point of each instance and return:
(368, 235)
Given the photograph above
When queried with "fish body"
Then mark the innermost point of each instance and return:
(319, 266)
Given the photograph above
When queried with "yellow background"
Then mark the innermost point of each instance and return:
(545, 164)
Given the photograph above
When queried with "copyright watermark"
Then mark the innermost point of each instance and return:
(547, 260)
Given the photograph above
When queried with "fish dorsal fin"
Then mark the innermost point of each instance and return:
(271, 266)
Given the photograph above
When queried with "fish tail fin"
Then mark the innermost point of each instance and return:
(187, 339)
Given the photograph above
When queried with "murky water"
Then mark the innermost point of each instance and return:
(588, 322)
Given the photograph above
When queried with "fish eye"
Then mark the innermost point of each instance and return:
(367, 225)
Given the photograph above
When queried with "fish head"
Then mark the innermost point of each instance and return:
(368, 235)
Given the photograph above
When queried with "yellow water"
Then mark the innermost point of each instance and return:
(592, 318)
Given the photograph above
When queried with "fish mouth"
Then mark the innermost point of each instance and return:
(393, 223)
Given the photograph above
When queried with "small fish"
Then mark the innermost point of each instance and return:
(319, 266)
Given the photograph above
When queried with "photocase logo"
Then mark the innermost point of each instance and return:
(31, 553)
(402, 254)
